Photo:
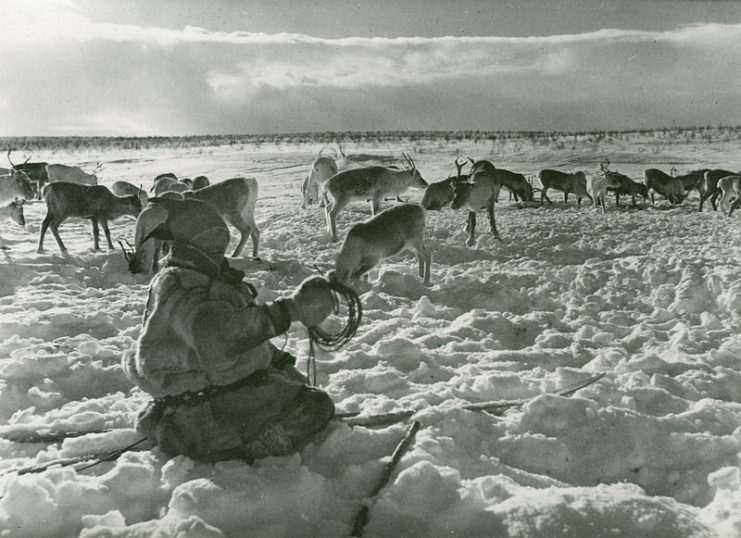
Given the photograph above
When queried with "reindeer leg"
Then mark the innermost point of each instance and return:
(107, 232)
(424, 259)
(54, 225)
(471, 228)
(42, 233)
(96, 233)
(376, 203)
(544, 194)
(331, 215)
(714, 199)
(492, 222)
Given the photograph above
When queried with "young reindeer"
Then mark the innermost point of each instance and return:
(438, 195)
(395, 229)
(730, 188)
(94, 202)
(480, 191)
(374, 183)
(13, 211)
(15, 184)
(322, 169)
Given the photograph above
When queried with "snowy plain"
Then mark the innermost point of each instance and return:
(651, 297)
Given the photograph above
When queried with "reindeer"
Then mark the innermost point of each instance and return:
(235, 200)
(12, 211)
(622, 184)
(124, 188)
(710, 188)
(374, 183)
(322, 169)
(671, 188)
(35, 172)
(94, 202)
(354, 160)
(438, 195)
(15, 184)
(575, 182)
(597, 189)
(516, 183)
(57, 173)
(200, 182)
(386, 234)
(480, 191)
(166, 184)
(730, 188)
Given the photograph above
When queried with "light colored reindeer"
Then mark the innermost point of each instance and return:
(480, 191)
(396, 229)
(373, 183)
(730, 197)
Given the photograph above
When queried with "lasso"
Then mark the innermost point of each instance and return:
(327, 341)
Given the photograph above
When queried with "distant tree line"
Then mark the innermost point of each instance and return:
(702, 134)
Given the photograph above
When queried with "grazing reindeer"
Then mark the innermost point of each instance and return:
(200, 182)
(163, 219)
(124, 188)
(480, 191)
(374, 182)
(13, 211)
(730, 188)
(166, 184)
(15, 185)
(622, 184)
(516, 183)
(354, 160)
(710, 188)
(235, 200)
(161, 176)
(322, 169)
(567, 183)
(597, 189)
(72, 174)
(94, 202)
(671, 188)
(388, 233)
(438, 195)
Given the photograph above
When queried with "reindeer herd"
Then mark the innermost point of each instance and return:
(333, 181)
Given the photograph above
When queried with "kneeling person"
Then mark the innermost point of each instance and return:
(220, 389)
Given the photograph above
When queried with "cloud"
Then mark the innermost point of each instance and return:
(65, 73)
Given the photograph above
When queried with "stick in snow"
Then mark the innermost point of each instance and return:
(361, 519)
(94, 459)
(494, 408)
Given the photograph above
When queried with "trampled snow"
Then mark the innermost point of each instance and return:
(651, 297)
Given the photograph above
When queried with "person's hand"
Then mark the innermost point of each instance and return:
(311, 303)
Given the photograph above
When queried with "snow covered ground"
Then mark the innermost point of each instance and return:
(650, 296)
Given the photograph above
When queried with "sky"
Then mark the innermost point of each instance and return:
(182, 67)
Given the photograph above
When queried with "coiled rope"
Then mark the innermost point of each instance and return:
(327, 341)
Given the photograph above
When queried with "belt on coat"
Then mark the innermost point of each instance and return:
(193, 398)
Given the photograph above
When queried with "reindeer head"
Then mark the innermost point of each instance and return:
(417, 179)
(134, 262)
